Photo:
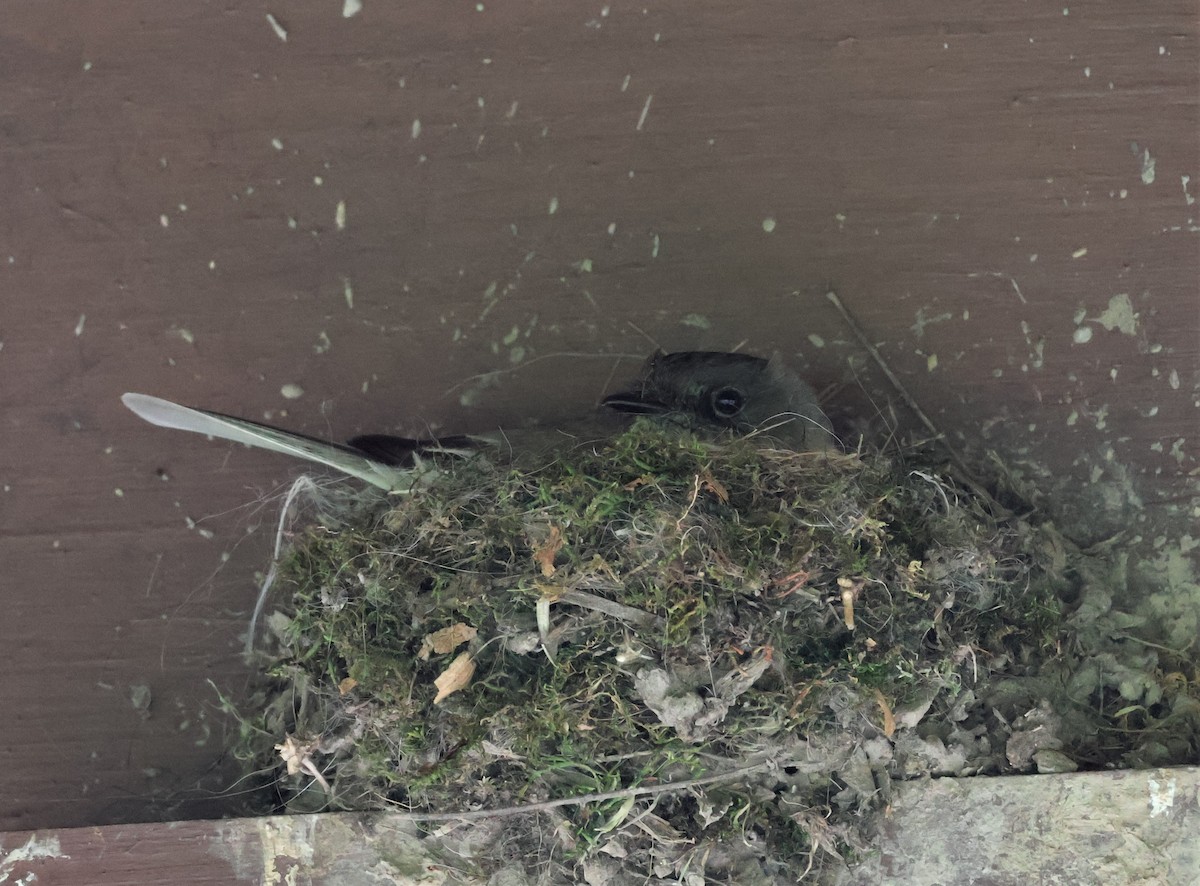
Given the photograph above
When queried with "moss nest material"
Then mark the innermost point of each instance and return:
(661, 654)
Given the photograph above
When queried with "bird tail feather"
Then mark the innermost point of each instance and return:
(166, 414)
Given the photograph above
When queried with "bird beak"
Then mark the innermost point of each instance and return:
(634, 403)
(636, 400)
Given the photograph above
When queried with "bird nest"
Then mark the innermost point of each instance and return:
(661, 657)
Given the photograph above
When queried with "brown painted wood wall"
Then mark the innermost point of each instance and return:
(1003, 193)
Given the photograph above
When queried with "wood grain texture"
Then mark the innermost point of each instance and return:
(1002, 193)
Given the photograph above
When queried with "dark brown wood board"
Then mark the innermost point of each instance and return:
(535, 195)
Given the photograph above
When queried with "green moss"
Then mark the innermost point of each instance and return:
(735, 565)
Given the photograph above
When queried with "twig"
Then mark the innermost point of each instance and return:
(303, 484)
(629, 614)
(965, 473)
(624, 793)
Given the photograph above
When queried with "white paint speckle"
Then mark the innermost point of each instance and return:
(1188, 199)
(348, 292)
(931, 362)
(1162, 797)
(1082, 335)
(645, 110)
(79, 325)
(280, 30)
(87, 66)
(841, 220)
(318, 180)
(923, 319)
(35, 847)
(339, 216)
(768, 224)
(416, 129)
(291, 392)
(119, 492)
(654, 248)
(1087, 72)
(1148, 163)
(164, 220)
(1173, 379)
(351, 8)
(625, 82)
(612, 228)
(553, 206)
(1080, 252)
(816, 340)
(1119, 315)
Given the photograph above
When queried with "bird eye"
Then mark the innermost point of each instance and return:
(727, 402)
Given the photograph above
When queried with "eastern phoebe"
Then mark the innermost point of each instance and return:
(708, 390)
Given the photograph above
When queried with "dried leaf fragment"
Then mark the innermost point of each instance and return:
(713, 485)
(295, 755)
(889, 719)
(544, 553)
(457, 676)
(347, 685)
(850, 590)
(446, 640)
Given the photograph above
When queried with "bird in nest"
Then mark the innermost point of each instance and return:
(709, 391)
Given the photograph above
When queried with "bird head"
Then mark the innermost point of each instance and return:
(718, 390)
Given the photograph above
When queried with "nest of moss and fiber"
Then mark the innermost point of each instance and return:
(661, 654)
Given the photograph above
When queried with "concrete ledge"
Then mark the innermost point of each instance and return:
(1079, 829)
(1129, 827)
